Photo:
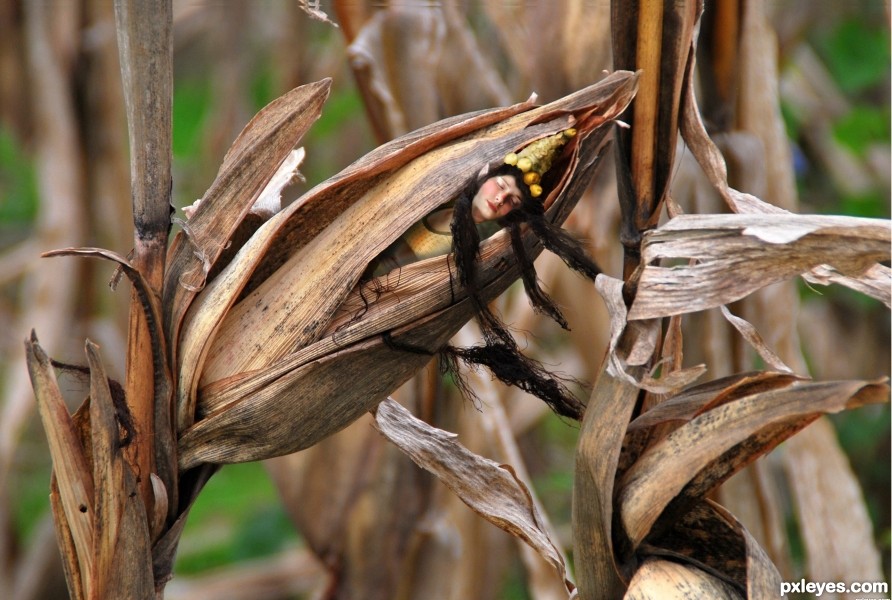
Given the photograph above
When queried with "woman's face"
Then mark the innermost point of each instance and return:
(497, 197)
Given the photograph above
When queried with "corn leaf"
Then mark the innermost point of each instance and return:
(491, 490)
(699, 455)
(122, 551)
(72, 471)
(734, 255)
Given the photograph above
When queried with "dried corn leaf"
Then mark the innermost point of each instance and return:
(737, 254)
(875, 282)
(597, 456)
(72, 471)
(699, 455)
(248, 165)
(491, 490)
(752, 336)
(644, 336)
(70, 565)
(164, 444)
(121, 540)
(686, 405)
(285, 404)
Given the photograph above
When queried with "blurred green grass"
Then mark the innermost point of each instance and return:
(238, 516)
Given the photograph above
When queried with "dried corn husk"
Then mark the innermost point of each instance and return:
(267, 374)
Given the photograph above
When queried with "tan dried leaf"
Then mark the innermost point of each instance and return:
(643, 336)
(122, 550)
(608, 413)
(688, 463)
(734, 255)
(73, 475)
(749, 333)
(491, 490)
(252, 160)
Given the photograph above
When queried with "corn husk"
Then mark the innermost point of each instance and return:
(267, 374)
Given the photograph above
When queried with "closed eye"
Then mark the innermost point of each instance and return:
(503, 185)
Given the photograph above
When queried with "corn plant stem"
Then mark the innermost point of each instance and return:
(146, 51)
(647, 105)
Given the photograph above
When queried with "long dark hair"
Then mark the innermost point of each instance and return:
(500, 353)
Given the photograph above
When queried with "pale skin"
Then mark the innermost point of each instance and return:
(496, 197)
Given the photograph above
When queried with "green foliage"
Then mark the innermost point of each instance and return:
(863, 126)
(872, 204)
(191, 104)
(857, 54)
(263, 89)
(18, 184)
(237, 517)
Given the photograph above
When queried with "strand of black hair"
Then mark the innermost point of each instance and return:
(541, 302)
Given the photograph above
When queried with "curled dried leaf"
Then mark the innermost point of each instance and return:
(642, 335)
(734, 255)
(682, 467)
(752, 336)
(597, 458)
(491, 490)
